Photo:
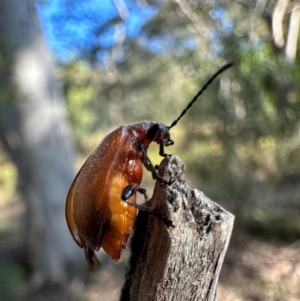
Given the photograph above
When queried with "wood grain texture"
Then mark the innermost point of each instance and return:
(181, 262)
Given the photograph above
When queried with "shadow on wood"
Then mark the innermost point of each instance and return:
(181, 262)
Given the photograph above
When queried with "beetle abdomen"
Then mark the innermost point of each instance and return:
(121, 219)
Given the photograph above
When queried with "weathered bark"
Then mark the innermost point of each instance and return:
(181, 262)
(35, 132)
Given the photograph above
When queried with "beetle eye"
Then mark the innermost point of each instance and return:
(152, 132)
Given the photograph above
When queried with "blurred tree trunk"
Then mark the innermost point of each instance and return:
(35, 132)
(293, 33)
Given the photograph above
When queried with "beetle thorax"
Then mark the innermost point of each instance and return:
(148, 132)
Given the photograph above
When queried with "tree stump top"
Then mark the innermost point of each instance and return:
(180, 262)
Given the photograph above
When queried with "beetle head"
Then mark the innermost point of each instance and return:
(160, 132)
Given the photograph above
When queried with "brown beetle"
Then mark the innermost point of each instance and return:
(101, 203)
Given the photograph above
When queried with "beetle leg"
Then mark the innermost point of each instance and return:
(162, 145)
(144, 193)
(150, 167)
(162, 149)
(90, 257)
(130, 190)
(149, 210)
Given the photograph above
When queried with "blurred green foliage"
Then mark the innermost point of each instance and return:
(12, 281)
(243, 133)
(8, 180)
(274, 228)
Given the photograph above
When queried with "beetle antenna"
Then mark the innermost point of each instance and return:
(221, 70)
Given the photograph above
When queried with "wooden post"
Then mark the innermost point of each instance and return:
(180, 263)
